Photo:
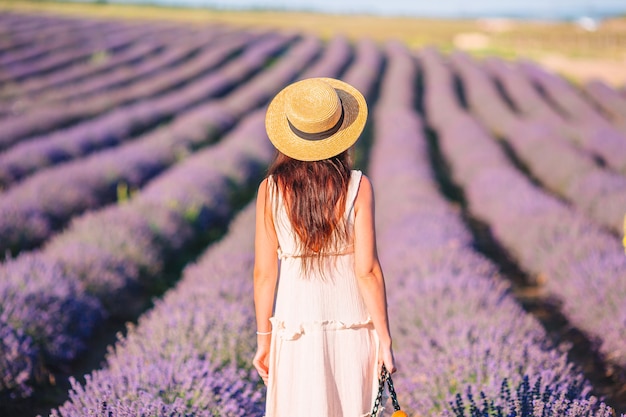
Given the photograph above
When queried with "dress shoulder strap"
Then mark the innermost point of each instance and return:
(273, 193)
(353, 189)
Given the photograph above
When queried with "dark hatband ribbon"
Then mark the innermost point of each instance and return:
(318, 135)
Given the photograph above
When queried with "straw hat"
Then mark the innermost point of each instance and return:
(316, 118)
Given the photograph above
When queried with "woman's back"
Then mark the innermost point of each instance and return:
(329, 298)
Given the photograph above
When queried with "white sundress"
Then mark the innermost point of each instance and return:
(324, 349)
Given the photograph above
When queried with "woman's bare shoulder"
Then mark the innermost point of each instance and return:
(262, 195)
(263, 184)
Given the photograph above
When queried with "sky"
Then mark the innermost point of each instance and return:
(546, 9)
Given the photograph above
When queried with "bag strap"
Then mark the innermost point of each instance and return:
(385, 377)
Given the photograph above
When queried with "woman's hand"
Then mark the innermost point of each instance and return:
(385, 356)
(261, 361)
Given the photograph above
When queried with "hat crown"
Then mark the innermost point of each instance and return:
(313, 107)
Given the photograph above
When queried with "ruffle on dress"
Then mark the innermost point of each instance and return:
(295, 332)
(348, 250)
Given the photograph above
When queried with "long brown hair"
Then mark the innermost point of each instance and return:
(315, 193)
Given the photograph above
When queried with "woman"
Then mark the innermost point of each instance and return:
(319, 292)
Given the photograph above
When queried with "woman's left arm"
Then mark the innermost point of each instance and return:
(265, 277)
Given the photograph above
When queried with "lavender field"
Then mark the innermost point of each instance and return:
(130, 152)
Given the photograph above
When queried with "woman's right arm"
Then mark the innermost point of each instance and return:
(368, 270)
(265, 277)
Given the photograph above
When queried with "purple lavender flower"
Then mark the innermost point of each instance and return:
(19, 358)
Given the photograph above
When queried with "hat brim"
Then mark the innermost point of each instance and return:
(296, 147)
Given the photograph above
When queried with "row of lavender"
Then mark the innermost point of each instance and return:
(192, 353)
(110, 260)
(67, 46)
(29, 41)
(105, 69)
(609, 100)
(460, 335)
(162, 51)
(539, 136)
(22, 25)
(17, 29)
(591, 130)
(40, 137)
(34, 209)
(578, 262)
